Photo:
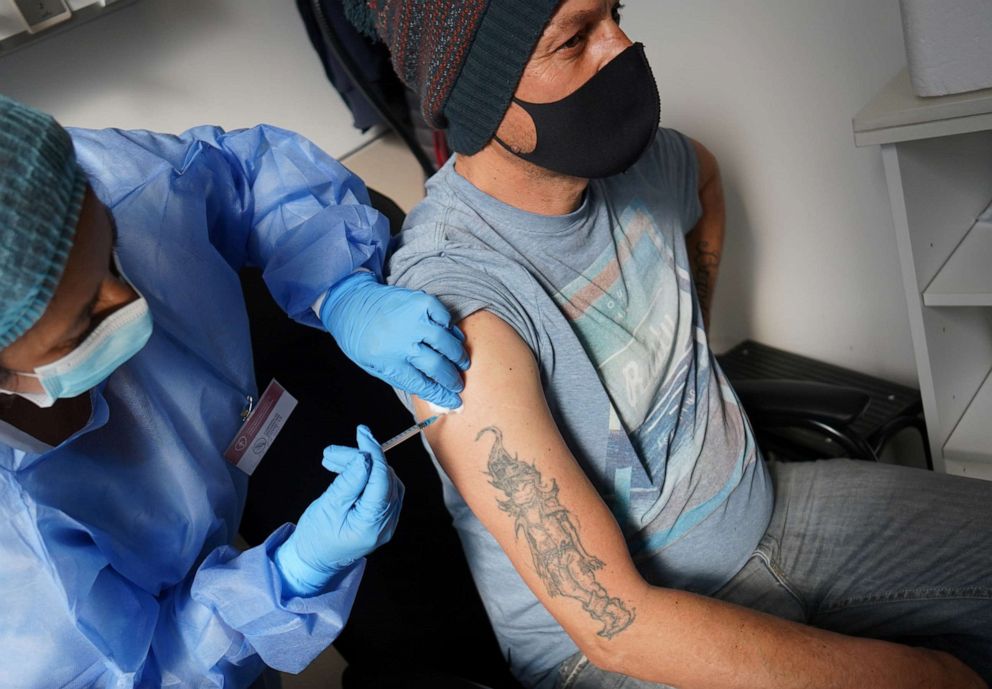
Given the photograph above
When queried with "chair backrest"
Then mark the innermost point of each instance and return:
(804, 409)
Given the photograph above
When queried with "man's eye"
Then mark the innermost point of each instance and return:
(573, 42)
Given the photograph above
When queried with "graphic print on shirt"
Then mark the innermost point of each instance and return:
(646, 341)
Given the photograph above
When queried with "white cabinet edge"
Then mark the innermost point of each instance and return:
(898, 114)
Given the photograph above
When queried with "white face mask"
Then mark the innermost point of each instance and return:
(40, 399)
(119, 337)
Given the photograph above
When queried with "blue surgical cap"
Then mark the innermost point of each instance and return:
(41, 195)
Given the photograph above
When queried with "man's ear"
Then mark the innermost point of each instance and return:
(517, 130)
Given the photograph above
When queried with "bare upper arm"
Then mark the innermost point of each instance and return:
(709, 169)
(506, 457)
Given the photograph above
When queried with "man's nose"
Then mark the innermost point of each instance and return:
(612, 42)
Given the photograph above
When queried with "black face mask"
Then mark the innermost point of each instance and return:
(602, 128)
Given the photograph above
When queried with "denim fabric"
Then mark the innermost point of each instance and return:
(865, 549)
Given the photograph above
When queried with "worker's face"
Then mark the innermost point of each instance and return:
(89, 291)
(581, 38)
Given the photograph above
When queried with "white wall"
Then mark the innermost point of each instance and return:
(168, 65)
(771, 86)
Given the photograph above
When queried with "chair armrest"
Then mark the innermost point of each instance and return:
(782, 402)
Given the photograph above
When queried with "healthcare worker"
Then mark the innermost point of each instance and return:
(126, 370)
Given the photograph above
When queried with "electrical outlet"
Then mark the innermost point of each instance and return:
(41, 14)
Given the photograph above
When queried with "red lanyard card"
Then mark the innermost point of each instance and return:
(260, 429)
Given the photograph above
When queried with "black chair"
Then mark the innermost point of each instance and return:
(417, 616)
(804, 409)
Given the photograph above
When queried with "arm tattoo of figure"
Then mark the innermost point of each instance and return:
(705, 263)
(561, 561)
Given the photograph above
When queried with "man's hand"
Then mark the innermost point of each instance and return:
(954, 673)
(405, 338)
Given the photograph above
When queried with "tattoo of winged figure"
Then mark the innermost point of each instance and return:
(563, 564)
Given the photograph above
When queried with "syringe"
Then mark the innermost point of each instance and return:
(409, 433)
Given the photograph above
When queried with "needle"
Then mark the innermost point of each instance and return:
(409, 433)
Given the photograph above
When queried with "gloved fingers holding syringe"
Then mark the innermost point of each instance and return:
(354, 516)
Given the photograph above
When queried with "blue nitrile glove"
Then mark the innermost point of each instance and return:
(404, 337)
(354, 516)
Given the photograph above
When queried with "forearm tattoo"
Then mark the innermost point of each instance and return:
(705, 263)
(562, 563)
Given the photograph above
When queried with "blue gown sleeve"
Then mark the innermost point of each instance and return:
(232, 613)
(75, 620)
(271, 199)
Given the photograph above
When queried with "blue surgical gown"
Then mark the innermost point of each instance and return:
(115, 563)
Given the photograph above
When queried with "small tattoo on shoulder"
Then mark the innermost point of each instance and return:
(561, 561)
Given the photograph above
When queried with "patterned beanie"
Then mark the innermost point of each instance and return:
(464, 58)
(41, 195)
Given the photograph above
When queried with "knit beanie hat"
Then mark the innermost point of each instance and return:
(464, 58)
(41, 195)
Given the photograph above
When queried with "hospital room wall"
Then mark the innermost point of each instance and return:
(167, 65)
(770, 86)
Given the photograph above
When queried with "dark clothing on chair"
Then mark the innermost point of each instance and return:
(417, 605)
(372, 59)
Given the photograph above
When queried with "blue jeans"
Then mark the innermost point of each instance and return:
(869, 550)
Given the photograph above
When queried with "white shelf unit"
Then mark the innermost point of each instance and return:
(966, 278)
(967, 450)
(14, 31)
(937, 154)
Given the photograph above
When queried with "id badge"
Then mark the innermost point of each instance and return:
(260, 429)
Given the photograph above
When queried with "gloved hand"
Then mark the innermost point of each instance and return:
(403, 337)
(354, 516)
